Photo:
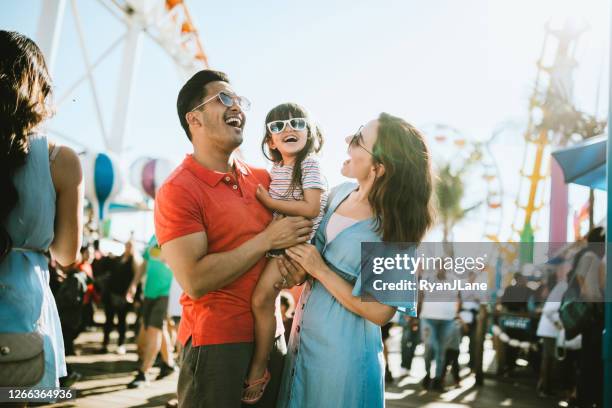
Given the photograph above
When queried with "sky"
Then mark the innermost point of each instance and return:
(465, 64)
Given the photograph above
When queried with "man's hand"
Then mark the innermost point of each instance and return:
(286, 232)
(292, 273)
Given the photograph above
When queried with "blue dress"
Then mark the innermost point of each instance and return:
(335, 357)
(26, 301)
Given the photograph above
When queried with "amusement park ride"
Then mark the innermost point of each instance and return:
(553, 122)
(167, 23)
(555, 68)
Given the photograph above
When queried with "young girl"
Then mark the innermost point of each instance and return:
(296, 189)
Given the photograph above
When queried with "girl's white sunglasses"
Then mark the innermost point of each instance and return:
(278, 126)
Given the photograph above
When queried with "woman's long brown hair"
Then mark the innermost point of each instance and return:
(402, 198)
(24, 88)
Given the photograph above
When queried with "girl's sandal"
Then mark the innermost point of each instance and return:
(247, 386)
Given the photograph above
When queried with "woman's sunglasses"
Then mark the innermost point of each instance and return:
(357, 141)
(228, 100)
(278, 126)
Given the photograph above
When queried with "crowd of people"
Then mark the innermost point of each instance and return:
(229, 238)
(564, 352)
(115, 285)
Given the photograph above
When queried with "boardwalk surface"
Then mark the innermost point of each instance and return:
(105, 377)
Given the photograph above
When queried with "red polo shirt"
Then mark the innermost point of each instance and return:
(195, 199)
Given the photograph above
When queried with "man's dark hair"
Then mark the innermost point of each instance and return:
(193, 93)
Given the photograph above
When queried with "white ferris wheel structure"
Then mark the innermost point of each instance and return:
(166, 22)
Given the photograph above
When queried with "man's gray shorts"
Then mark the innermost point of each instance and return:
(155, 311)
(212, 376)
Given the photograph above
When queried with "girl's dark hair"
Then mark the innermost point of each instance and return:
(402, 197)
(25, 86)
(314, 141)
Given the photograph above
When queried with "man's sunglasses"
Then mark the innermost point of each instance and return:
(228, 100)
(357, 141)
(278, 126)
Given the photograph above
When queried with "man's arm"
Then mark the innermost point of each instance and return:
(199, 272)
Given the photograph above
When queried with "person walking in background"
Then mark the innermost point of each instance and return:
(451, 351)
(154, 314)
(287, 308)
(437, 315)
(411, 337)
(470, 305)
(114, 297)
(518, 298)
(588, 273)
(174, 319)
(384, 331)
(548, 330)
(41, 205)
(174, 314)
(84, 265)
(70, 305)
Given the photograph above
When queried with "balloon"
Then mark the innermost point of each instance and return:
(102, 181)
(147, 174)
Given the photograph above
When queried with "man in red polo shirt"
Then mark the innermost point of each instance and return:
(214, 235)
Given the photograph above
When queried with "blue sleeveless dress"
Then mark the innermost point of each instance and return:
(26, 301)
(335, 357)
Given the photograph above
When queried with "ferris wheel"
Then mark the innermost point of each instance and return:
(167, 23)
(453, 152)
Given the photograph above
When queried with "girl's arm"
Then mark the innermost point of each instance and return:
(309, 258)
(309, 207)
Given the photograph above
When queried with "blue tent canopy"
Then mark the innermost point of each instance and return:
(585, 163)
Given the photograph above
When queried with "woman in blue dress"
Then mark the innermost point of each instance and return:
(335, 352)
(41, 202)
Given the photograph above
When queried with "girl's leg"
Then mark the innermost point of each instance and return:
(262, 303)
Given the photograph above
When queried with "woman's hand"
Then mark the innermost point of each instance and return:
(309, 258)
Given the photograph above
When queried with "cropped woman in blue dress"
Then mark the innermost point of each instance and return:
(41, 203)
(335, 352)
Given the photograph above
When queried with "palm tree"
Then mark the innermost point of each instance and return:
(449, 194)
